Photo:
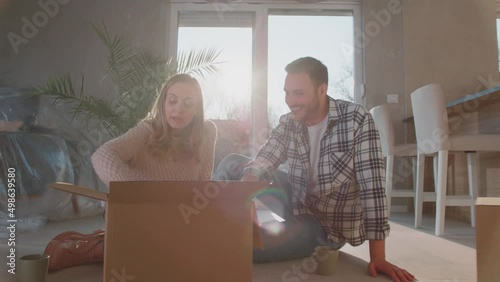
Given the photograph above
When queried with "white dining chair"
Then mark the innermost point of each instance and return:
(434, 139)
(385, 126)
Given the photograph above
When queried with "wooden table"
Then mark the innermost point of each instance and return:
(470, 103)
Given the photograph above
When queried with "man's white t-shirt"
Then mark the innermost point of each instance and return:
(315, 132)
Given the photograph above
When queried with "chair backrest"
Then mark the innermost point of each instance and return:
(383, 121)
(431, 118)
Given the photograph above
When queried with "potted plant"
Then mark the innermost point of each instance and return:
(137, 76)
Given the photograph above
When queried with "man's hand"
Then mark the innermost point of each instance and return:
(379, 264)
(397, 274)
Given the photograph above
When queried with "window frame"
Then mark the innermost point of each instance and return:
(498, 35)
(259, 99)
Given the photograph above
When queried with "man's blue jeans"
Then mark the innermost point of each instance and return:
(294, 238)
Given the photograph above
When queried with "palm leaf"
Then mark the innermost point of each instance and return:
(92, 108)
(144, 68)
(61, 90)
(119, 54)
(198, 62)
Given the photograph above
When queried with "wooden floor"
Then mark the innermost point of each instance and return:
(429, 258)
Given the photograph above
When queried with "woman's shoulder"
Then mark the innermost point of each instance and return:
(210, 127)
(145, 124)
(210, 130)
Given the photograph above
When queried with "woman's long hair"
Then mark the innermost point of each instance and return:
(162, 141)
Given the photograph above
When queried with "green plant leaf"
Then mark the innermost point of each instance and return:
(137, 76)
(198, 62)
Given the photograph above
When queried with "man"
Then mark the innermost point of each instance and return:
(336, 173)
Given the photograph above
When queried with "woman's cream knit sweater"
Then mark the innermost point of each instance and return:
(112, 160)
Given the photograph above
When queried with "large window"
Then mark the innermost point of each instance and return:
(325, 36)
(227, 94)
(257, 41)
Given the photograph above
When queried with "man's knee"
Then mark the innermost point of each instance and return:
(232, 166)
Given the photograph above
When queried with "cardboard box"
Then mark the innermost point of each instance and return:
(488, 239)
(178, 230)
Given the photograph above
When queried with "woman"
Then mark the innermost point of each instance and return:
(174, 143)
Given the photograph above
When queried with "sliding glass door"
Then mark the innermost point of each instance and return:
(256, 42)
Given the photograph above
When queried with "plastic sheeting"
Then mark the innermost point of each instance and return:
(30, 159)
(34, 161)
(16, 106)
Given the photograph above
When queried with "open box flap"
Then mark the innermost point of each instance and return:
(488, 201)
(189, 192)
(87, 192)
(182, 196)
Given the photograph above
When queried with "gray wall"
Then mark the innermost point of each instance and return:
(66, 42)
(384, 59)
(451, 42)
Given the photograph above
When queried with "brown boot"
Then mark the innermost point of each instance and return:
(76, 235)
(76, 251)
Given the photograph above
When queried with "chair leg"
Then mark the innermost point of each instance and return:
(473, 185)
(388, 182)
(414, 171)
(435, 168)
(414, 168)
(441, 191)
(419, 190)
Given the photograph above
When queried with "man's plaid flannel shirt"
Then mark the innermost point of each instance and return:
(351, 203)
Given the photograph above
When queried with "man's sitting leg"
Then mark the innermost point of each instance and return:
(293, 238)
